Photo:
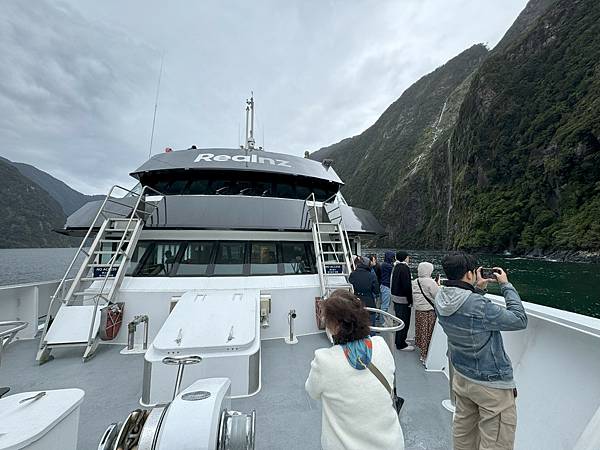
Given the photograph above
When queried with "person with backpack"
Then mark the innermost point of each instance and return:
(424, 289)
(364, 283)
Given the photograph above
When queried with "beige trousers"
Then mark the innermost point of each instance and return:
(485, 418)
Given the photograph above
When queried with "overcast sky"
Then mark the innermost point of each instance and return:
(78, 78)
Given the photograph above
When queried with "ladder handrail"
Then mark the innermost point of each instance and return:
(60, 288)
(113, 260)
(316, 229)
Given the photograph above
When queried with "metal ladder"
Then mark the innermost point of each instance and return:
(332, 245)
(77, 321)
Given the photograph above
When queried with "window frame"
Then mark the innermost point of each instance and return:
(216, 243)
(211, 259)
(245, 263)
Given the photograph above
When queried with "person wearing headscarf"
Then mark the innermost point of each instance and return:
(357, 410)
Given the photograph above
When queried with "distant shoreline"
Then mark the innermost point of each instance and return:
(569, 256)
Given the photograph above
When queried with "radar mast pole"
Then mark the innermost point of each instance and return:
(250, 122)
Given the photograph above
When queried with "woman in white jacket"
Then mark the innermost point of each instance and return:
(424, 290)
(357, 408)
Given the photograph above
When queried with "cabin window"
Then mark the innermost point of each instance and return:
(230, 258)
(138, 255)
(159, 260)
(321, 194)
(216, 182)
(296, 258)
(198, 187)
(223, 258)
(171, 187)
(303, 191)
(285, 190)
(263, 258)
(195, 259)
(263, 189)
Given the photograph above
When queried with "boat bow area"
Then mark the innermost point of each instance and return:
(556, 361)
(287, 418)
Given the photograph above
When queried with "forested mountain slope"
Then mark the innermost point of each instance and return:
(69, 199)
(525, 153)
(396, 144)
(29, 213)
(514, 162)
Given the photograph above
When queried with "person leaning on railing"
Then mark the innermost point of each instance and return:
(358, 413)
(483, 383)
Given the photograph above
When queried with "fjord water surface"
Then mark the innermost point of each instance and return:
(569, 286)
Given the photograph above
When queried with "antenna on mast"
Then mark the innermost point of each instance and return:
(162, 60)
(250, 123)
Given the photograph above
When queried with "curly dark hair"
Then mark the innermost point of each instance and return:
(343, 311)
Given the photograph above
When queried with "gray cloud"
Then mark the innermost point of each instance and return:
(78, 79)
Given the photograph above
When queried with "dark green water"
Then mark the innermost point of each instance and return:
(569, 286)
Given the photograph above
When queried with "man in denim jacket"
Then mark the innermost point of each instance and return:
(483, 384)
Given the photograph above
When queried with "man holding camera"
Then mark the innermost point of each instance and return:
(483, 384)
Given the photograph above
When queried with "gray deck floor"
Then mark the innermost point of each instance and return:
(287, 418)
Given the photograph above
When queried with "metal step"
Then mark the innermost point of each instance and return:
(114, 266)
(91, 294)
(71, 325)
(333, 253)
(120, 229)
(96, 278)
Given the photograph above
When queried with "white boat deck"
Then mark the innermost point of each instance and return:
(287, 418)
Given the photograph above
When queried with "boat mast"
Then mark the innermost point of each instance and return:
(250, 123)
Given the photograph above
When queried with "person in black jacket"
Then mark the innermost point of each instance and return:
(376, 267)
(402, 297)
(365, 285)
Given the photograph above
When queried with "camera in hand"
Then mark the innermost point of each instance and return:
(488, 273)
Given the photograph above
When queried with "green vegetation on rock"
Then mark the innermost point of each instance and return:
(29, 213)
(527, 140)
(514, 161)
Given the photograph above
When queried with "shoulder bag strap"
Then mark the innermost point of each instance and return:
(375, 371)
(426, 298)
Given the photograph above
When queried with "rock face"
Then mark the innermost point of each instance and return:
(29, 213)
(492, 151)
(525, 152)
(383, 167)
(69, 199)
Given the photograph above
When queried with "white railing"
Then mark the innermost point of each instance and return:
(28, 302)
(132, 212)
(556, 362)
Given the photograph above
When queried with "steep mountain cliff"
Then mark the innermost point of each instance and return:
(69, 199)
(395, 145)
(525, 153)
(29, 213)
(507, 156)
